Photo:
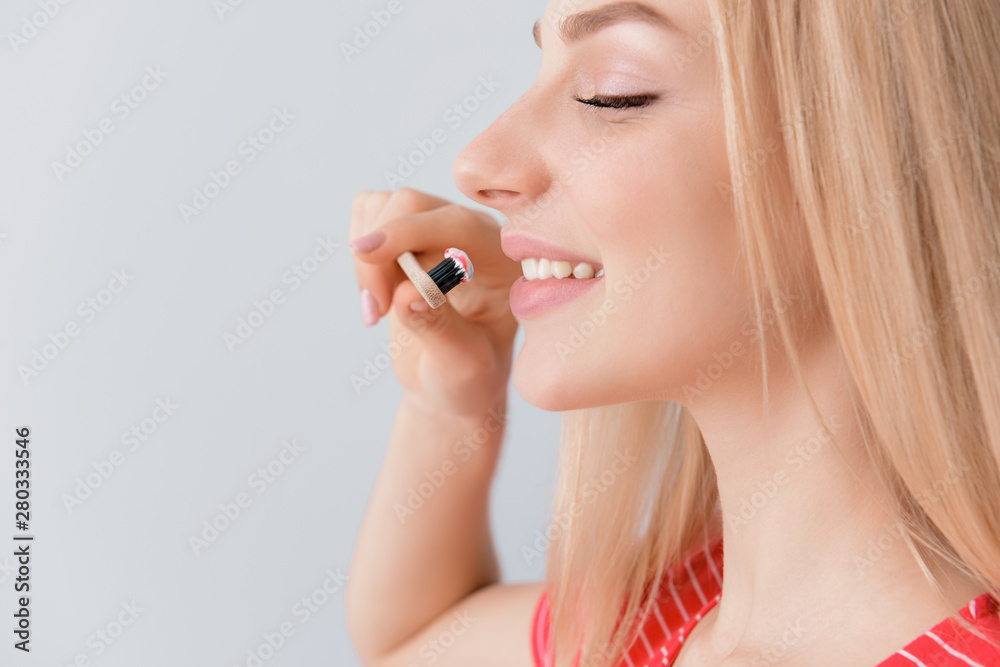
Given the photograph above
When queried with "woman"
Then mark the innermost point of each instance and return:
(789, 347)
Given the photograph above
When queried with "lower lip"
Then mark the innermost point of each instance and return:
(529, 298)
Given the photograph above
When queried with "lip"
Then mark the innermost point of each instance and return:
(518, 246)
(529, 298)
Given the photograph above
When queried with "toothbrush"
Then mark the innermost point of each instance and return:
(454, 269)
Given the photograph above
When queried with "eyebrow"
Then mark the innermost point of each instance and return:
(583, 24)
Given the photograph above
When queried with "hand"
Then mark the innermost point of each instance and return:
(456, 357)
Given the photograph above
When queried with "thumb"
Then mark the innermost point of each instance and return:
(446, 335)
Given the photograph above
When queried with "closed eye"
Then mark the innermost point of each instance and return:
(618, 101)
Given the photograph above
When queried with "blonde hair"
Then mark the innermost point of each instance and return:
(888, 138)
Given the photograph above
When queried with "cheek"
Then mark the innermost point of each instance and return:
(645, 336)
(674, 293)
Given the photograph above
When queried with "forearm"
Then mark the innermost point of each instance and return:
(425, 542)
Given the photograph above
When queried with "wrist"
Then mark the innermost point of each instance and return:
(483, 425)
(494, 409)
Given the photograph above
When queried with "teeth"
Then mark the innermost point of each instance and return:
(544, 269)
(561, 269)
(530, 268)
(535, 268)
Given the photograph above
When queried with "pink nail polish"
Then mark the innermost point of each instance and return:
(420, 306)
(369, 308)
(368, 242)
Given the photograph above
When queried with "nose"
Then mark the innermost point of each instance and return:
(503, 167)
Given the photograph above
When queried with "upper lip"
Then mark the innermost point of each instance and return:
(518, 246)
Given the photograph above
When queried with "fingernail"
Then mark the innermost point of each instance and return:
(420, 306)
(369, 308)
(368, 242)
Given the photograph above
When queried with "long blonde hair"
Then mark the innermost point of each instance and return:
(887, 121)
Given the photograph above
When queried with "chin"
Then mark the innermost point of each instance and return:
(540, 387)
(550, 383)
(594, 375)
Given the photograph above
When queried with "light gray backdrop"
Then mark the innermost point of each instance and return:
(116, 300)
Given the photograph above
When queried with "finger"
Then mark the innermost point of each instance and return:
(370, 207)
(364, 211)
(450, 340)
(368, 210)
(437, 229)
(404, 201)
(427, 234)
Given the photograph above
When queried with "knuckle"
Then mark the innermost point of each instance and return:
(456, 215)
(358, 203)
(374, 204)
(361, 210)
(429, 322)
(486, 218)
(406, 198)
(406, 193)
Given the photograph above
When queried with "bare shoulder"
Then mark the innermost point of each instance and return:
(489, 628)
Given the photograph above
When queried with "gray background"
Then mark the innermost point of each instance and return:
(161, 337)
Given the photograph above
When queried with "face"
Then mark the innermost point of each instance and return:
(616, 157)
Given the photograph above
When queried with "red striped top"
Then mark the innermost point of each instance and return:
(694, 586)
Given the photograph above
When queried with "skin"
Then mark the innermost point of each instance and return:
(794, 559)
(650, 185)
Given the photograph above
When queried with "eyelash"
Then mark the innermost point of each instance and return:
(618, 102)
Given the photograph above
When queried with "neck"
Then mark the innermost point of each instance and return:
(807, 542)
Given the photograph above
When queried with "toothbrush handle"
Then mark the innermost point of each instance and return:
(423, 282)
